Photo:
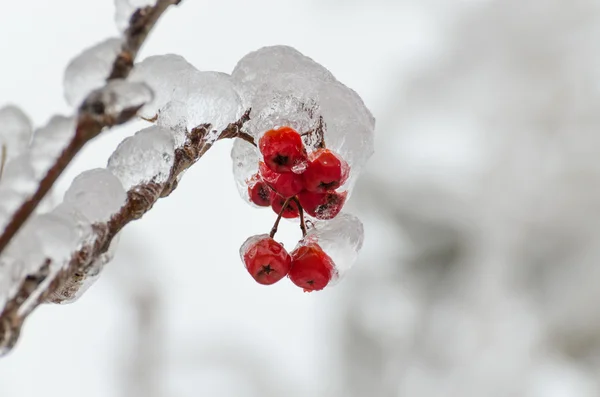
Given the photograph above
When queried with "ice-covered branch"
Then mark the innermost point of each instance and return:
(100, 109)
(86, 262)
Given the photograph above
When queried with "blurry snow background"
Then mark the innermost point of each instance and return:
(480, 270)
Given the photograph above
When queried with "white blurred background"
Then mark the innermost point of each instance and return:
(479, 275)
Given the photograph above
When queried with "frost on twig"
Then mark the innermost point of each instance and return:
(93, 115)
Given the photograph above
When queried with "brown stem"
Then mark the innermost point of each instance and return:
(276, 225)
(89, 125)
(301, 211)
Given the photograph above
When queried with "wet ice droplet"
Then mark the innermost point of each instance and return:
(145, 157)
(118, 96)
(15, 131)
(262, 65)
(58, 236)
(341, 238)
(124, 9)
(23, 255)
(245, 158)
(50, 141)
(174, 116)
(93, 274)
(209, 97)
(97, 194)
(89, 70)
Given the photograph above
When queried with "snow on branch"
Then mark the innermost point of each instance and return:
(94, 114)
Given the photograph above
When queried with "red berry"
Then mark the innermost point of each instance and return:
(322, 205)
(283, 150)
(259, 192)
(312, 268)
(266, 260)
(287, 185)
(325, 171)
(277, 202)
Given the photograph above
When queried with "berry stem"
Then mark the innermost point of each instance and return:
(301, 211)
(276, 225)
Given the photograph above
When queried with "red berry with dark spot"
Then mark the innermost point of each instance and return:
(325, 171)
(291, 210)
(322, 205)
(312, 268)
(259, 192)
(283, 150)
(287, 185)
(266, 260)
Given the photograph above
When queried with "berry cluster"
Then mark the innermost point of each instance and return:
(293, 182)
(289, 172)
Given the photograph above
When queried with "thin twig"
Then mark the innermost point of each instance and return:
(276, 225)
(89, 123)
(301, 211)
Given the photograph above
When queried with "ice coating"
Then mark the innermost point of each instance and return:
(18, 184)
(245, 158)
(23, 255)
(210, 97)
(15, 131)
(145, 157)
(249, 243)
(83, 224)
(89, 70)
(266, 63)
(58, 236)
(94, 272)
(97, 194)
(285, 100)
(174, 116)
(341, 238)
(124, 9)
(285, 88)
(50, 141)
(119, 95)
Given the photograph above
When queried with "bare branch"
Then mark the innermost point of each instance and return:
(91, 119)
(140, 200)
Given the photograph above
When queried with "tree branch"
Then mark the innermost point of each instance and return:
(140, 200)
(91, 118)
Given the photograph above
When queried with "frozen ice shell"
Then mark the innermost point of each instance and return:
(341, 238)
(245, 158)
(145, 157)
(18, 185)
(96, 269)
(250, 241)
(119, 95)
(23, 255)
(174, 116)
(97, 194)
(15, 131)
(260, 66)
(300, 102)
(58, 236)
(210, 97)
(89, 70)
(285, 100)
(124, 9)
(83, 225)
(50, 141)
